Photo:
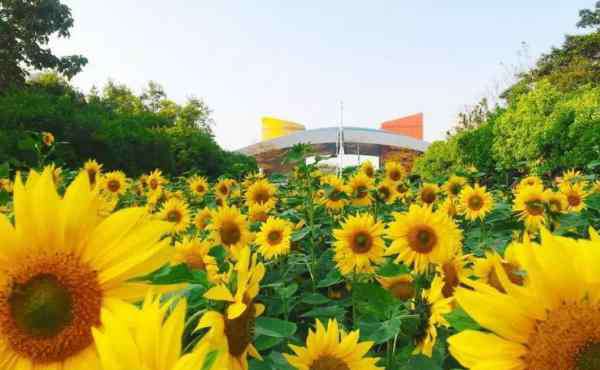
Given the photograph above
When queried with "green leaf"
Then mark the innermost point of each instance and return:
(275, 327)
(460, 321)
(209, 360)
(380, 332)
(333, 277)
(421, 362)
(4, 170)
(300, 234)
(314, 299)
(390, 268)
(287, 291)
(327, 311)
(264, 342)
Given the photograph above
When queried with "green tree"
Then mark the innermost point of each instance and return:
(195, 114)
(25, 30)
(589, 18)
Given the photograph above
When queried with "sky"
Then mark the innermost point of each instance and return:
(298, 59)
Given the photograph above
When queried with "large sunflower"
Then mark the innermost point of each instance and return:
(421, 236)
(394, 171)
(431, 308)
(146, 339)
(359, 244)
(176, 212)
(428, 193)
(93, 170)
(62, 264)
(114, 182)
(454, 185)
(475, 202)
(231, 333)
(332, 349)
(195, 254)
(274, 238)
(155, 180)
(229, 227)
(335, 196)
(261, 192)
(529, 204)
(575, 194)
(552, 322)
(359, 186)
(198, 185)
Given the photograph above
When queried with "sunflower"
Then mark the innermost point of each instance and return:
(176, 212)
(202, 218)
(401, 286)
(274, 238)
(453, 272)
(114, 183)
(359, 186)
(421, 236)
(93, 170)
(529, 181)
(259, 212)
(529, 204)
(223, 188)
(132, 328)
(575, 194)
(485, 269)
(428, 193)
(552, 322)
(556, 201)
(6, 185)
(261, 192)
(156, 180)
(368, 169)
(403, 191)
(230, 228)
(47, 138)
(62, 264)
(198, 185)
(335, 197)
(386, 192)
(449, 207)
(232, 333)
(394, 171)
(475, 202)
(195, 254)
(569, 176)
(454, 185)
(359, 244)
(431, 308)
(332, 349)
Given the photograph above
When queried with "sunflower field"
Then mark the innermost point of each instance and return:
(373, 269)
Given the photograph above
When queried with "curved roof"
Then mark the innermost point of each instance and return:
(357, 140)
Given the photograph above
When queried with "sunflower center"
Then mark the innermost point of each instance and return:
(451, 279)
(240, 331)
(329, 363)
(49, 308)
(569, 338)
(512, 272)
(455, 189)
(395, 175)
(230, 233)
(422, 239)
(335, 195)
(275, 237)
(261, 196)
(361, 192)
(223, 189)
(428, 196)
(369, 171)
(535, 207)
(385, 192)
(574, 200)
(113, 185)
(362, 242)
(92, 175)
(402, 290)
(153, 184)
(555, 205)
(475, 202)
(174, 216)
(200, 188)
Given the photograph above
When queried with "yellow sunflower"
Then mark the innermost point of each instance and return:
(47, 138)
(62, 264)
(332, 349)
(428, 193)
(529, 181)
(401, 286)
(274, 238)
(556, 201)
(421, 236)
(529, 204)
(93, 170)
(114, 183)
(475, 202)
(368, 169)
(259, 212)
(569, 176)
(386, 192)
(394, 171)
(335, 196)
(359, 186)
(202, 218)
(232, 333)
(485, 269)
(195, 254)
(198, 185)
(229, 227)
(454, 185)
(575, 194)
(359, 244)
(403, 191)
(224, 187)
(449, 207)
(156, 180)
(176, 212)
(148, 338)
(453, 272)
(261, 192)
(431, 308)
(552, 322)
(6, 185)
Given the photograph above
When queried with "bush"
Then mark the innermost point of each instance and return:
(439, 161)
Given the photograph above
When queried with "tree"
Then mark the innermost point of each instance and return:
(589, 18)
(195, 114)
(121, 99)
(25, 30)
(153, 95)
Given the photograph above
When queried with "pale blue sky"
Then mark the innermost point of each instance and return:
(298, 59)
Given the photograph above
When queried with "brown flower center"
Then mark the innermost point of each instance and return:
(240, 331)
(422, 239)
(475, 202)
(402, 188)
(428, 196)
(223, 189)
(402, 290)
(335, 195)
(361, 242)
(230, 233)
(574, 200)
(153, 184)
(49, 307)
(455, 189)
(92, 175)
(113, 186)
(385, 192)
(395, 175)
(200, 188)
(512, 272)
(361, 191)
(275, 237)
(451, 279)
(261, 196)
(328, 362)
(174, 216)
(369, 171)
(534, 207)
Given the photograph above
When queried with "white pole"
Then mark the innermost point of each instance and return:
(340, 140)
